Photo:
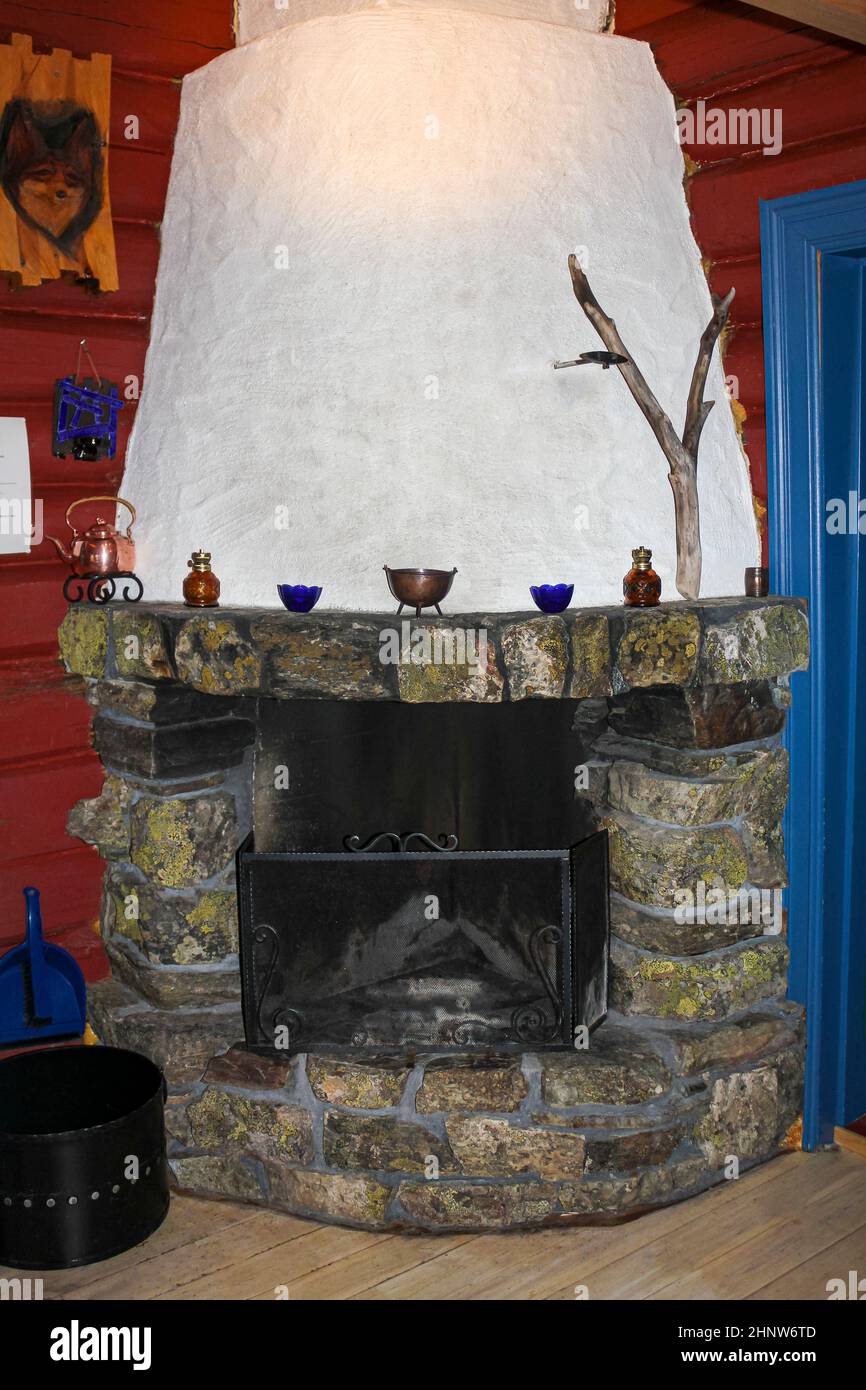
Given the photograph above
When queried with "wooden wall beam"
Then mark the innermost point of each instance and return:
(847, 18)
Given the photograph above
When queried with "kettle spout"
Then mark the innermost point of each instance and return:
(61, 549)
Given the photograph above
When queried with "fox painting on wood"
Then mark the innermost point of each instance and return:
(55, 215)
(51, 155)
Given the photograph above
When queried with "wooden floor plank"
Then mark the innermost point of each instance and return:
(809, 1223)
(353, 1275)
(454, 1274)
(207, 1256)
(263, 1273)
(809, 1279)
(850, 1139)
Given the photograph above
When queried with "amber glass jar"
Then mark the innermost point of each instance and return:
(641, 587)
(201, 588)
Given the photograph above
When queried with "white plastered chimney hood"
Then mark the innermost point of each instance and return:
(363, 287)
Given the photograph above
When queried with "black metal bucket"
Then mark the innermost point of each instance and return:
(83, 1172)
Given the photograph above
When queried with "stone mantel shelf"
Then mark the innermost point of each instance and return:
(483, 657)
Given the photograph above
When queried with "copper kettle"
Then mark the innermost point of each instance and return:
(101, 549)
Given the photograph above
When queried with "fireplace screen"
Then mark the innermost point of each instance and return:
(417, 948)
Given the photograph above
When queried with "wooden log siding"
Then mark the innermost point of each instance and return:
(46, 761)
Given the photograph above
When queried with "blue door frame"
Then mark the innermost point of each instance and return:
(800, 237)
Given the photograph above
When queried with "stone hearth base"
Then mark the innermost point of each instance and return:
(695, 1075)
(646, 1116)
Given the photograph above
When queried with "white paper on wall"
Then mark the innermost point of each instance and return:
(16, 527)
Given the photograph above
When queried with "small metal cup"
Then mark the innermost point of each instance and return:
(756, 582)
(421, 588)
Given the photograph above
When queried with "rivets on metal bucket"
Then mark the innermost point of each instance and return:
(94, 1196)
(73, 1201)
(50, 1202)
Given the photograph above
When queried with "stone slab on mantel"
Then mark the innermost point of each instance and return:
(477, 657)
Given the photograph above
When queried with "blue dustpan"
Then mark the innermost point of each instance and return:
(42, 992)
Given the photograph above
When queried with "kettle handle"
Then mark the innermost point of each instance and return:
(103, 497)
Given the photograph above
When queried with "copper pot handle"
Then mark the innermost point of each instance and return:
(103, 497)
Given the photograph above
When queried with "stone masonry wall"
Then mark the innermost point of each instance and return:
(698, 1067)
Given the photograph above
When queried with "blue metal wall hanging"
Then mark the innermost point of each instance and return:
(85, 415)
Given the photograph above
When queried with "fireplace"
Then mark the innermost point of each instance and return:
(654, 735)
(423, 1016)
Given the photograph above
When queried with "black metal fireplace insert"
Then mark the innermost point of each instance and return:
(354, 940)
(427, 947)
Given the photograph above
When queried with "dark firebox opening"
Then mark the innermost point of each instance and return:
(499, 943)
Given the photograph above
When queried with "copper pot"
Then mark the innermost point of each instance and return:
(102, 549)
(419, 588)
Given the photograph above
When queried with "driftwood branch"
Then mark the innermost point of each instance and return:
(681, 453)
(697, 409)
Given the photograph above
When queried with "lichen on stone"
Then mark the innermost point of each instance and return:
(744, 1116)
(653, 864)
(361, 1201)
(477, 1087)
(756, 644)
(213, 655)
(139, 646)
(103, 820)
(590, 651)
(215, 915)
(83, 640)
(356, 1084)
(428, 682)
(227, 1121)
(698, 987)
(457, 1206)
(535, 653)
(658, 647)
(487, 1146)
(179, 842)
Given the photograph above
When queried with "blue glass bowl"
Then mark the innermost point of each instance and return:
(299, 598)
(552, 598)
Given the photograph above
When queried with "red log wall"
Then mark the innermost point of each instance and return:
(46, 762)
(733, 55)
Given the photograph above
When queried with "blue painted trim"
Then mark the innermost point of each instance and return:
(795, 233)
(851, 1072)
